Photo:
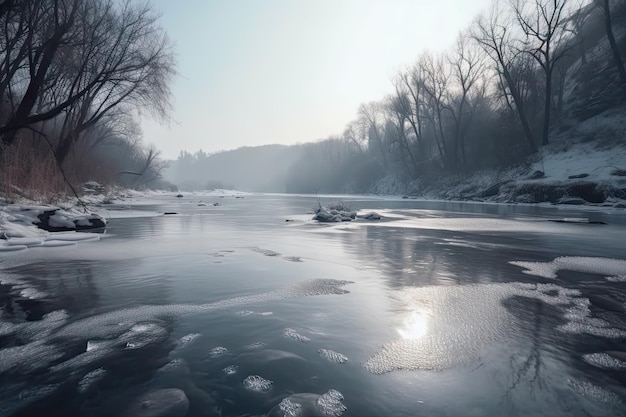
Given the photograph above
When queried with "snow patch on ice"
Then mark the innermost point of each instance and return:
(293, 334)
(450, 326)
(604, 361)
(332, 356)
(613, 269)
(257, 383)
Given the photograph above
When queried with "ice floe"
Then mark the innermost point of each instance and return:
(593, 392)
(604, 361)
(332, 356)
(293, 334)
(615, 269)
(450, 326)
(257, 383)
(230, 370)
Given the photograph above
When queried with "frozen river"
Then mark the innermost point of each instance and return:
(252, 309)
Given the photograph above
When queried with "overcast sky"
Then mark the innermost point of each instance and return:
(255, 72)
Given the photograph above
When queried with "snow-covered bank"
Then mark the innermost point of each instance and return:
(591, 173)
(23, 226)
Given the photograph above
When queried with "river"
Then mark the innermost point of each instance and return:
(438, 309)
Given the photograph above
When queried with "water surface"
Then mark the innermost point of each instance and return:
(439, 309)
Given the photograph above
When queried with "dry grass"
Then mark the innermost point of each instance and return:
(27, 171)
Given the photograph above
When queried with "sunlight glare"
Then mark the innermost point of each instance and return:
(415, 325)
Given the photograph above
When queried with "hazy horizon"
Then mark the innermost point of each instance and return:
(281, 72)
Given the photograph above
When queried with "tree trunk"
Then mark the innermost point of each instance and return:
(609, 34)
(521, 111)
(547, 108)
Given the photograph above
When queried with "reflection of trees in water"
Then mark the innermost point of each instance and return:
(83, 287)
(543, 360)
(417, 257)
(527, 368)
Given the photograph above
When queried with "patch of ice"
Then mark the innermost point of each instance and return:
(604, 361)
(90, 379)
(265, 252)
(257, 384)
(450, 326)
(12, 248)
(292, 334)
(289, 408)
(255, 345)
(28, 358)
(332, 356)
(185, 340)
(74, 236)
(116, 322)
(57, 243)
(613, 268)
(292, 258)
(218, 351)
(97, 344)
(230, 370)
(244, 313)
(594, 392)
(331, 404)
(25, 241)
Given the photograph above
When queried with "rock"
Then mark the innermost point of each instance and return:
(54, 221)
(216, 204)
(168, 402)
(536, 175)
(619, 172)
(179, 196)
(169, 212)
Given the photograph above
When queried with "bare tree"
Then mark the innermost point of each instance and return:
(91, 57)
(467, 77)
(493, 33)
(544, 24)
(436, 83)
(133, 72)
(372, 116)
(608, 25)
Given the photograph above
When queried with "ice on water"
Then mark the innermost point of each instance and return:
(90, 379)
(450, 326)
(257, 383)
(289, 408)
(230, 370)
(290, 333)
(615, 269)
(331, 404)
(332, 356)
(604, 361)
(593, 392)
(218, 351)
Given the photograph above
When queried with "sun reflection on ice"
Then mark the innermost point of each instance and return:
(415, 325)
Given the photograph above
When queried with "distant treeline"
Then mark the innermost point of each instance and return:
(522, 71)
(74, 77)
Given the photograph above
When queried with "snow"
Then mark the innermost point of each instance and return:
(19, 231)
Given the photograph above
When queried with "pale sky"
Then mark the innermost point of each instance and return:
(254, 72)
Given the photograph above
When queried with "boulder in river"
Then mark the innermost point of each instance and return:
(56, 220)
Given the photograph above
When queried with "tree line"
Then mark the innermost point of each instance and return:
(75, 76)
(521, 70)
